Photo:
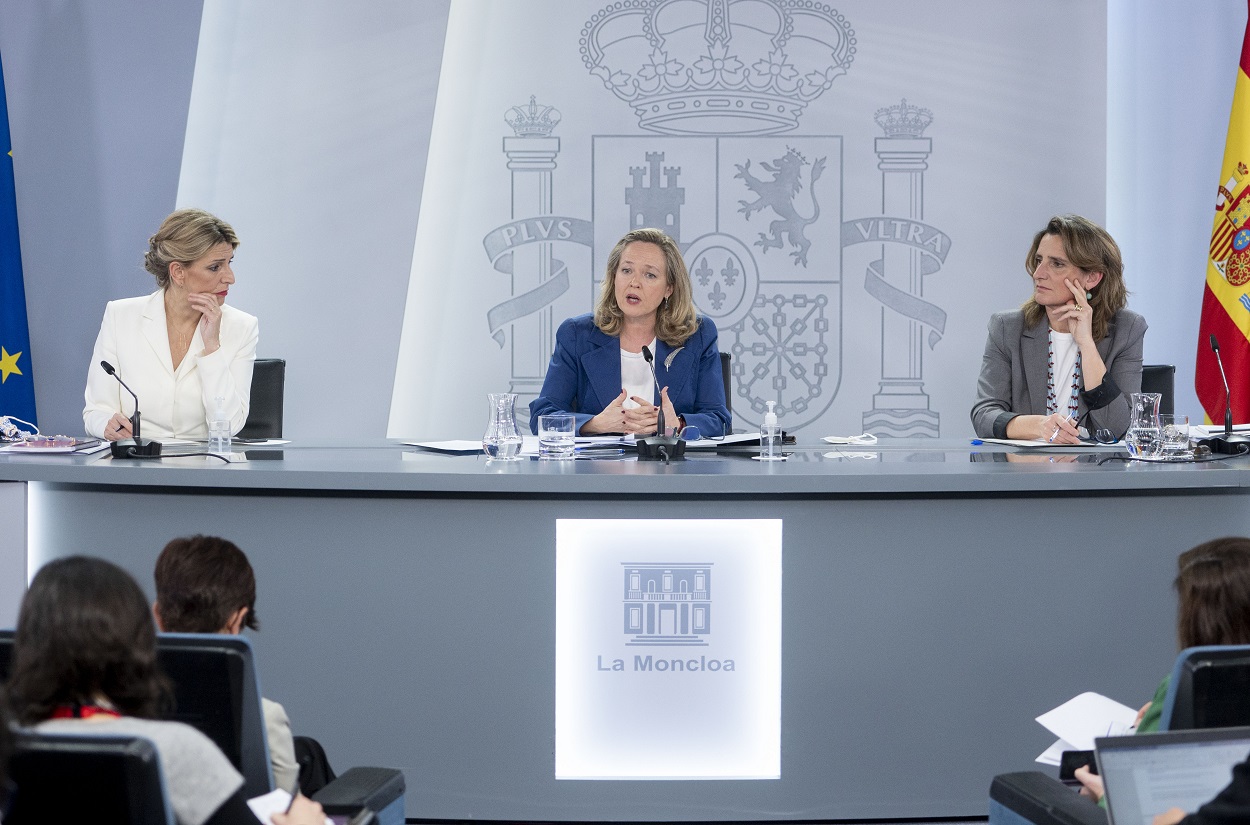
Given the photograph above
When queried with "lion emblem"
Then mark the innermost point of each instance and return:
(779, 194)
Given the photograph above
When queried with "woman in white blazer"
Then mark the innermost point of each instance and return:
(180, 348)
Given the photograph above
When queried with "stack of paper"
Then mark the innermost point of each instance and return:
(1080, 720)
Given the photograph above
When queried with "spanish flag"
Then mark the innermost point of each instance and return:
(17, 387)
(1226, 299)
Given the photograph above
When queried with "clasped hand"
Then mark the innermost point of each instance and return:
(639, 420)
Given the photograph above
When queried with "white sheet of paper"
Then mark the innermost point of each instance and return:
(1053, 754)
(1083, 718)
(274, 802)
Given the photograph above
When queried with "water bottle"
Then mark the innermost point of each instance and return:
(219, 429)
(770, 436)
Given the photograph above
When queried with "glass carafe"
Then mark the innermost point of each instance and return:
(503, 437)
(1144, 438)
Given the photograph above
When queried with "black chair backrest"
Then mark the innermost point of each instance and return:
(724, 371)
(102, 779)
(264, 419)
(216, 691)
(1161, 378)
(1211, 688)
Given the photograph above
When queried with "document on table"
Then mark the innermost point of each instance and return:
(1036, 444)
(1082, 719)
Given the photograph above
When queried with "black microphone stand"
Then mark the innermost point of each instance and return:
(659, 447)
(1229, 443)
(136, 446)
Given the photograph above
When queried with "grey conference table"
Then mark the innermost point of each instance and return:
(936, 598)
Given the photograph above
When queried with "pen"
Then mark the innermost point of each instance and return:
(976, 442)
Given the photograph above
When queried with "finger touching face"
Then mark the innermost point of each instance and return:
(210, 273)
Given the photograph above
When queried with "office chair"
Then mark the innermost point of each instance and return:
(217, 690)
(1161, 378)
(97, 778)
(1209, 688)
(725, 374)
(264, 418)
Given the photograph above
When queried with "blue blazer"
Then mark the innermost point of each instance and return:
(585, 370)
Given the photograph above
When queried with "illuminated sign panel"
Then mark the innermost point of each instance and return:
(668, 649)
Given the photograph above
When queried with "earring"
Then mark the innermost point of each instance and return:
(1089, 295)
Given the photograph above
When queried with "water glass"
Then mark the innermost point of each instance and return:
(555, 436)
(1175, 429)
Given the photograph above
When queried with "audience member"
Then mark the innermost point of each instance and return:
(205, 584)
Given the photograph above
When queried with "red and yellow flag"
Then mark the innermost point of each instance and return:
(1226, 298)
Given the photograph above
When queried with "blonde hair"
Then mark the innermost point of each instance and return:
(676, 318)
(185, 236)
(1091, 248)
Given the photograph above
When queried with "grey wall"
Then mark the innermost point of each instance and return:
(97, 96)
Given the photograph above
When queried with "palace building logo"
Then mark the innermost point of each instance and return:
(720, 163)
(668, 605)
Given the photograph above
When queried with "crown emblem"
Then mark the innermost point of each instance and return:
(903, 120)
(690, 67)
(532, 120)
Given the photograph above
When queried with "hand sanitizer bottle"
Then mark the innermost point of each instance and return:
(770, 436)
(219, 429)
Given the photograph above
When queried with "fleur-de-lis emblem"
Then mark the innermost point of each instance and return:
(717, 297)
(704, 272)
(730, 273)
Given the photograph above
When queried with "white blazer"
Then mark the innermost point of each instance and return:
(174, 403)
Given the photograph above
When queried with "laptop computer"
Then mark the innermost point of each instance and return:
(1148, 774)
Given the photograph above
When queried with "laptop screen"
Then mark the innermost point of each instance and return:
(1148, 774)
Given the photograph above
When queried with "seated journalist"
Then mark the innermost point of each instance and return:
(205, 584)
(1072, 353)
(84, 661)
(598, 371)
(1213, 608)
(180, 348)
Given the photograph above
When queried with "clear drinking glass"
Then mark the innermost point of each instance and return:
(503, 436)
(1175, 430)
(555, 435)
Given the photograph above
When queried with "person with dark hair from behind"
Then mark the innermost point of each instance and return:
(1213, 608)
(205, 584)
(84, 661)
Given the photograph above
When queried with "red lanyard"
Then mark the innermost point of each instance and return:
(77, 711)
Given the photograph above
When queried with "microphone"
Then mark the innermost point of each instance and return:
(659, 421)
(1227, 443)
(659, 447)
(134, 447)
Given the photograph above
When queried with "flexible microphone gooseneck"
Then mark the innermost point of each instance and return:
(659, 447)
(1227, 443)
(135, 446)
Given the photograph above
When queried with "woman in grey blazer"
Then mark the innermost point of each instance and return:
(1072, 353)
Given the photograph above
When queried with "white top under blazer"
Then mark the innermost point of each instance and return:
(174, 403)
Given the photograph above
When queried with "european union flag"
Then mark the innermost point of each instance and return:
(17, 380)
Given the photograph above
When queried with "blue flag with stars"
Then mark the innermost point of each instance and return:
(17, 384)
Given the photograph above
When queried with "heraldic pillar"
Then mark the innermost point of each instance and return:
(900, 407)
(531, 157)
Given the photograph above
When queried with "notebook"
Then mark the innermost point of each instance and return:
(1148, 774)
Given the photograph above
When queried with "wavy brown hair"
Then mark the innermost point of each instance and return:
(84, 633)
(1213, 590)
(676, 319)
(1092, 249)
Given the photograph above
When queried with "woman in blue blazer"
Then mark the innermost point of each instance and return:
(598, 371)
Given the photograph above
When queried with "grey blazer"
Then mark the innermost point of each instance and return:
(1013, 374)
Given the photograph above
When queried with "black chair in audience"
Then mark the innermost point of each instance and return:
(264, 419)
(1161, 378)
(96, 778)
(1209, 688)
